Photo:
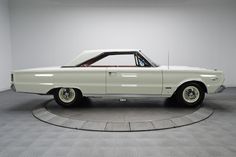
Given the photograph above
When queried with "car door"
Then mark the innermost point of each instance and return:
(128, 73)
(133, 80)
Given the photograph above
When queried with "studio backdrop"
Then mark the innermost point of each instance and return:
(196, 33)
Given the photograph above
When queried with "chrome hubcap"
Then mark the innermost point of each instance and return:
(67, 95)
(191, 94)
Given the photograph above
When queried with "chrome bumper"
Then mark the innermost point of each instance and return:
(220, 89)
(13, 87)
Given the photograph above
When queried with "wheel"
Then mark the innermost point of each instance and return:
(190, 94)
(67, 97)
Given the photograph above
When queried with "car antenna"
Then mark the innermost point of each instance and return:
(168, 59)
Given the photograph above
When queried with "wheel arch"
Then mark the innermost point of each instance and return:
(51, 91)
(199, 82)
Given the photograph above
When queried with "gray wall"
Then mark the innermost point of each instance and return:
(197, 33)
(5, 46)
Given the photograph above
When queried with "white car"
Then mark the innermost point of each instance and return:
(123, 73)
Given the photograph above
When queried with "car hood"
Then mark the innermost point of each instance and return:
(188, 68)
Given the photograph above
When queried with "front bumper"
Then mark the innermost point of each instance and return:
(13, 87)
(220, 89)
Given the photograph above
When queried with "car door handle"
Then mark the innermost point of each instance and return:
(111, 73)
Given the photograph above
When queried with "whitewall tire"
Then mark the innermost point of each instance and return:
(67, 97)
(190, 94)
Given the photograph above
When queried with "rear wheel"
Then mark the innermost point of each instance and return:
(67, 97)
(190, 94)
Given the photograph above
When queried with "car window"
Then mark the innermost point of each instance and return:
(142, 62)
(123, 60)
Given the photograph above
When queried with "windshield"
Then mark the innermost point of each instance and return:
(149, 60)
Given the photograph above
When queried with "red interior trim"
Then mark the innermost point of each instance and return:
(112, 66)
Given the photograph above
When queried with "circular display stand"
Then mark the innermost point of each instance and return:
(112, 115)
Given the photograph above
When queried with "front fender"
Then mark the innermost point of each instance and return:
(170, 88)
(189, 80)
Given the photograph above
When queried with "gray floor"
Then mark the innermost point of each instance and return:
(112, 115)
(23, 135)
(134, 110)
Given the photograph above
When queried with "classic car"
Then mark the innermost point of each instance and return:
(122, 73)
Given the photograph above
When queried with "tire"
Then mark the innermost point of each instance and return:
(190, 94)
(67, 97)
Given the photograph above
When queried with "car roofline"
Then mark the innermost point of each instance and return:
(89, 54)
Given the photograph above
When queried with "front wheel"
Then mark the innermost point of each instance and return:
(190, 94)
(67, 97)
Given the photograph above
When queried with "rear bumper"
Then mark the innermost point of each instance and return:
(220, 89)
(13, 87)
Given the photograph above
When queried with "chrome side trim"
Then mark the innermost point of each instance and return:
(220, 89)
(127, 95)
